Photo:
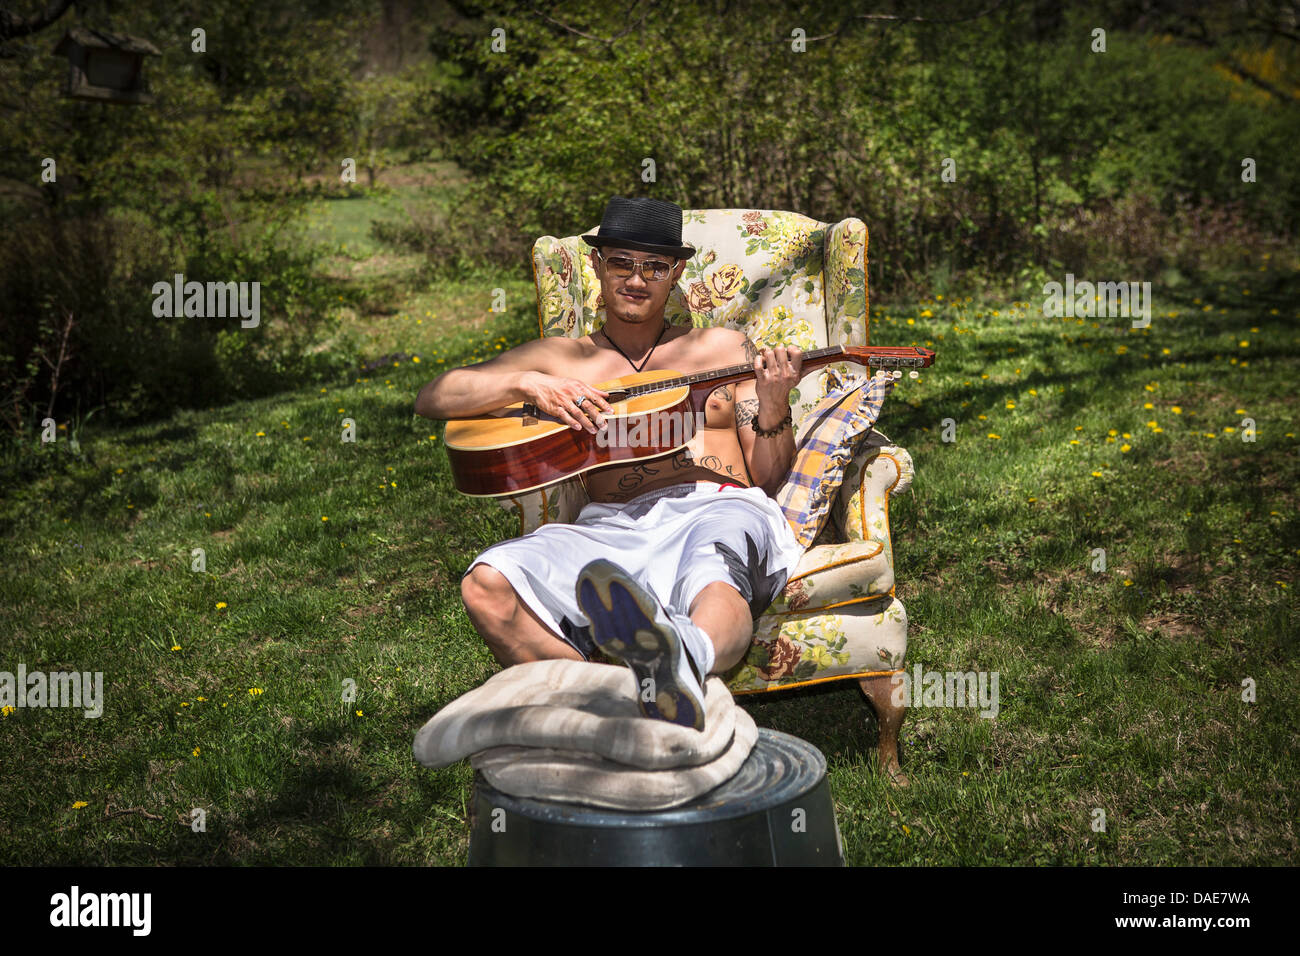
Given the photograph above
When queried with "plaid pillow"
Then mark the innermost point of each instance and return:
(828, 438)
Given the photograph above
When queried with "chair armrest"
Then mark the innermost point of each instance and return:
(560, 503)
(879, 471)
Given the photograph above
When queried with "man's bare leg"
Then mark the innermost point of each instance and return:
(721, 613)
(513, 633)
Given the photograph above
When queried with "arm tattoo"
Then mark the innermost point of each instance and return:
(746, 412)
(751, 351)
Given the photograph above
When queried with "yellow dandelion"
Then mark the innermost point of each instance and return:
(176, 647)
(255, 691)
(1113, 432)
(221, 605)
(194, 752)
(1128, 583)
(1074, 441)
(261, 434)
(1096, 474)
(360, 714)
(1125, 448)
(323, 518)
(991, 435)
(79, 804)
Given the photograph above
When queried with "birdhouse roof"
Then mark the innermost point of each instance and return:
(99, 39)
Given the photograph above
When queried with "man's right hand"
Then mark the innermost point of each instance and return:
(559, 396)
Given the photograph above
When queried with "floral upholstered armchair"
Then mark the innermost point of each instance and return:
(782, 279)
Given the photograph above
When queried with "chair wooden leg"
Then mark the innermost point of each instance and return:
(880, 691)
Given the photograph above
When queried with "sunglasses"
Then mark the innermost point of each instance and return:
(652, 270)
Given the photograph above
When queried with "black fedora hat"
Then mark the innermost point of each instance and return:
(643, 224)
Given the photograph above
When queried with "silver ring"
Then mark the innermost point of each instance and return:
(581, 399)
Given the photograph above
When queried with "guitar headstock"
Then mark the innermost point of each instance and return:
(890, 356)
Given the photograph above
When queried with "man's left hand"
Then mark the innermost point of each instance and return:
(777, 371)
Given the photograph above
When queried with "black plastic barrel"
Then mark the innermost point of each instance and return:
(776, 811)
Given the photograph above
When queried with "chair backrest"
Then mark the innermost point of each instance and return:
(780, 277)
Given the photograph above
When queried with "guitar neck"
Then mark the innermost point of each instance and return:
(878, 357)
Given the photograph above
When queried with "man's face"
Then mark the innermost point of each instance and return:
(634, 299)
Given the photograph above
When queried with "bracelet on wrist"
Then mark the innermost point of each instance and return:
(787, 422)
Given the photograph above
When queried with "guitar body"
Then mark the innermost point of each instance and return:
(518, 449)
(510, 453)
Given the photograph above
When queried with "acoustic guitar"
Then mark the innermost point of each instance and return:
(519, 448)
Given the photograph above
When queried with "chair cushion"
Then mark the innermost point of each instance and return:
(828, 439)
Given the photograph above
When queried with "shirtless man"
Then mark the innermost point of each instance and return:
(675, 557)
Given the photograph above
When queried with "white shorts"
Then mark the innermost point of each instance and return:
(675, 541)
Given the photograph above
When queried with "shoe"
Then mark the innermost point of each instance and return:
(628, 623)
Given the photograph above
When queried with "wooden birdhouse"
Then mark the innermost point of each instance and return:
(105, 67)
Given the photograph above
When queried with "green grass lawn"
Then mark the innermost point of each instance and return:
(329, 562)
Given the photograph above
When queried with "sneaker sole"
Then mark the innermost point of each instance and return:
(626, 623)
